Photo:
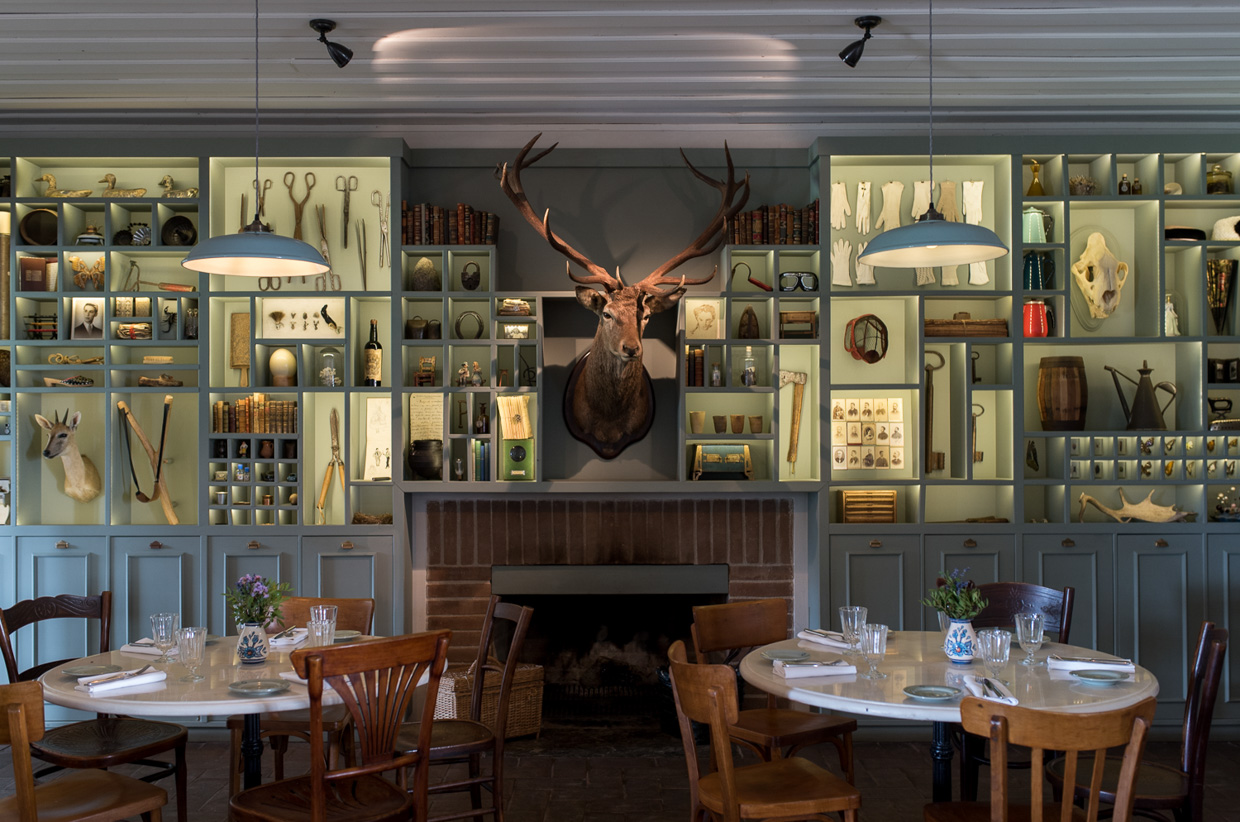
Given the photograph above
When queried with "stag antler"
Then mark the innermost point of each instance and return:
(712, 236)
(511, 185)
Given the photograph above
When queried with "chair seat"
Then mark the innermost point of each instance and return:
(787, 788)
(980, 812)
(103, 743)
(89, 795)
(368, 799)
(1156, 786)
(335, 718)
(781, 727)
(450, 738)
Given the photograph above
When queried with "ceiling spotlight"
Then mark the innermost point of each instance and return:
(341, 55)
(852, 55)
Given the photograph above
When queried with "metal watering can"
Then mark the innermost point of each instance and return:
(1145, 415)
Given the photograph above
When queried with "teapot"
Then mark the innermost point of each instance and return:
(1145, 415)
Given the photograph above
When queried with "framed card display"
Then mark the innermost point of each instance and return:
(303, 318)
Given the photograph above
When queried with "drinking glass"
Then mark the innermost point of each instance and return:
(321, 632)
(873, 647)
(191, 645)
(164, 634)
(323, 613)
(995, 644)
(1029, 629)
(852, 618)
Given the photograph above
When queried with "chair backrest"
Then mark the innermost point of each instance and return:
(65, 606)
(1204, 675)
(1007, 599)
(734, 626)
(707, 694)
(351, 614)
(22, 704)
(1070, 734)
(487, 666)
(376, 680)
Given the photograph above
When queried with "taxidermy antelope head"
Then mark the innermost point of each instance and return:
(82, 481)
(609, 402)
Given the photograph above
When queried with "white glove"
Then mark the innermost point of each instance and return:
(922, 192)
(925, 276)
(890, 216)
(947, 201)
(863, 208)
(865, 273)
(973, 201)
(949, 275)
(839, 205)
(977, 274)
(841, 251)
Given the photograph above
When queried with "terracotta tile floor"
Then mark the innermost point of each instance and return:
(638, 775)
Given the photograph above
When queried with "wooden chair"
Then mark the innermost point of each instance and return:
(105, 741)
(736, 626)
(1043, 731)
(466, 740)
(351, 614)
(791, 788)
(95, 795)
(376, 679)
(1160, 788)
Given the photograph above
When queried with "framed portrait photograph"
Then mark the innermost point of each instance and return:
(87, 321)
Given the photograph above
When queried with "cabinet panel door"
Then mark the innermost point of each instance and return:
(1159, 608)
(151, 576)
(1087, 563)
(351, 566)
(882, 573)
(988, 558)
(1223, 598)
(230, 558)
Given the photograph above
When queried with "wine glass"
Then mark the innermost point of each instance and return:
(873, 647)
(995, 645)
(852, 618)
(1029, 629)
(164, 634)
(191, 646)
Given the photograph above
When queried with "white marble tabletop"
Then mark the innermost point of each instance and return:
(917, 658)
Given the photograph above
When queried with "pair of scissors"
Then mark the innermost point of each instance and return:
(299, 207)
(385, 217)
(329, 278)
(337, 463)
(346, 185)
(261, 196)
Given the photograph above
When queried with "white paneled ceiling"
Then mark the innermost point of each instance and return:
(620, 72)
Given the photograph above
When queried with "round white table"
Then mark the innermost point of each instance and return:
(917, 658)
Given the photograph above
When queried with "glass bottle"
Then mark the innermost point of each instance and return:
(1035, 188)
(1125, 187)
(327, 366)
(372, 358)
(482, 422)
(1218, 181)
(716, 375)
(749, 373)
(1137, 188)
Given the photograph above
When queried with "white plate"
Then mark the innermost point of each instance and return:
(932, 693)
(1099, 677)
(258, 687)
(785, 656)
(90, 670)
(345, 636)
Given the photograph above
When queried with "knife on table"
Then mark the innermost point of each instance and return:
(815, 664)
(1092, 661)
(113, 677)
(286, 632)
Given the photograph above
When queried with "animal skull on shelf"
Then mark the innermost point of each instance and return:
(1100, 276)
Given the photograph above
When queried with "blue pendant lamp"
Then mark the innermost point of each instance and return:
(255, 251)
(932, 241)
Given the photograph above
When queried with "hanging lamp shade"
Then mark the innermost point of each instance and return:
(256, 252)
(933, 242)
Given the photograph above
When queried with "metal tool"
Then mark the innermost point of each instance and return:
(360, 228)
(978, 410)
(328, 280)
(260, 196)
(797, 378)
(242, 223)
(114, 677)
(285, 632)
(935, 460)
(346, 185)
(299, 207)
(336, 463)
(385, 217)
(1091, 660)
(268, 283)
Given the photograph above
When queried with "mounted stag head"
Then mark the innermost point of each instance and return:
(82, 481)
(609, 402)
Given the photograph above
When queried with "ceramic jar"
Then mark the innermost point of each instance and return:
(960, 644)
(252, 647)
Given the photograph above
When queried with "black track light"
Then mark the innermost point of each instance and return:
(341, 55)
(852, 55)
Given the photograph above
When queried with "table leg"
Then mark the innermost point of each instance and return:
(941, 754)
(252, 752)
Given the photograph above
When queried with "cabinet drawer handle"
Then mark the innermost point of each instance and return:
(346, 545)
(253, 545)
(970, 543)
(156, 545)
(62, 545)
(876, 543)
(1068, 542)
(1160, 543)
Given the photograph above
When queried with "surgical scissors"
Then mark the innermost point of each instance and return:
(328, 279)
(346, 185)
(385, 217)
(261, 195)
(290, 179)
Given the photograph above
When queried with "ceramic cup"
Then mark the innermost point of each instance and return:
(755, 424)
(721, 423)
(697, 420)
(221, 497)
(738, 423)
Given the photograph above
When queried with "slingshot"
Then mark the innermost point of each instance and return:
(160, 491)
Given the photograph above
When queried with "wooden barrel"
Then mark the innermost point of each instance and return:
(1063, 394)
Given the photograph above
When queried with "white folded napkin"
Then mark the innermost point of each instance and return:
(1054, 662)
(148, 678)
(829, 639)
(292, 676)
(298, 636)
(797, 670)
(974, 684)
(148, 650)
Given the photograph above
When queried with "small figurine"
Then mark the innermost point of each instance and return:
(1171, 320)
(462, 374)
(53, 191)
(169, 191)
(477, 378)
(113, 191)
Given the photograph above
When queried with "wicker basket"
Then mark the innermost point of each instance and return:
(524, 706)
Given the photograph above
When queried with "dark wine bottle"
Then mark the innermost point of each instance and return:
(372, 358)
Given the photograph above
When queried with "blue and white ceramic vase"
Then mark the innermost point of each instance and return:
(961, 642)
(252, 647)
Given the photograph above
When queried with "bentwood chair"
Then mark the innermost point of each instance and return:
(376, 679)
(351, 614)
(1162, 788)
(105, 741)
(1042, 731)
(95, 795)
(789, 788)
(455, 741)
(737, 626)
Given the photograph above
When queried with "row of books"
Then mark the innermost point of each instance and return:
(254, 415)
(426, 224)
(775, 225)
(695, 367)
(482, 461)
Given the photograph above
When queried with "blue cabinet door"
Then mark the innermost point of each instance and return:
(881, 572)
(151, 576)
(1223, 606)
(988, 558)
(353, 566)
(230, 558)
(1087, 563)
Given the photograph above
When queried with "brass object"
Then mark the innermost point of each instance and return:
(54, 191)
(113, 191)
(978, 410)
(169, 191)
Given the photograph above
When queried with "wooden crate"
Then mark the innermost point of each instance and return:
(868, 506)
(962, 325)
(524, 706)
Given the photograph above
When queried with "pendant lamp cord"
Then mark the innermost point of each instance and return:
(257, 188)
(931, 35)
